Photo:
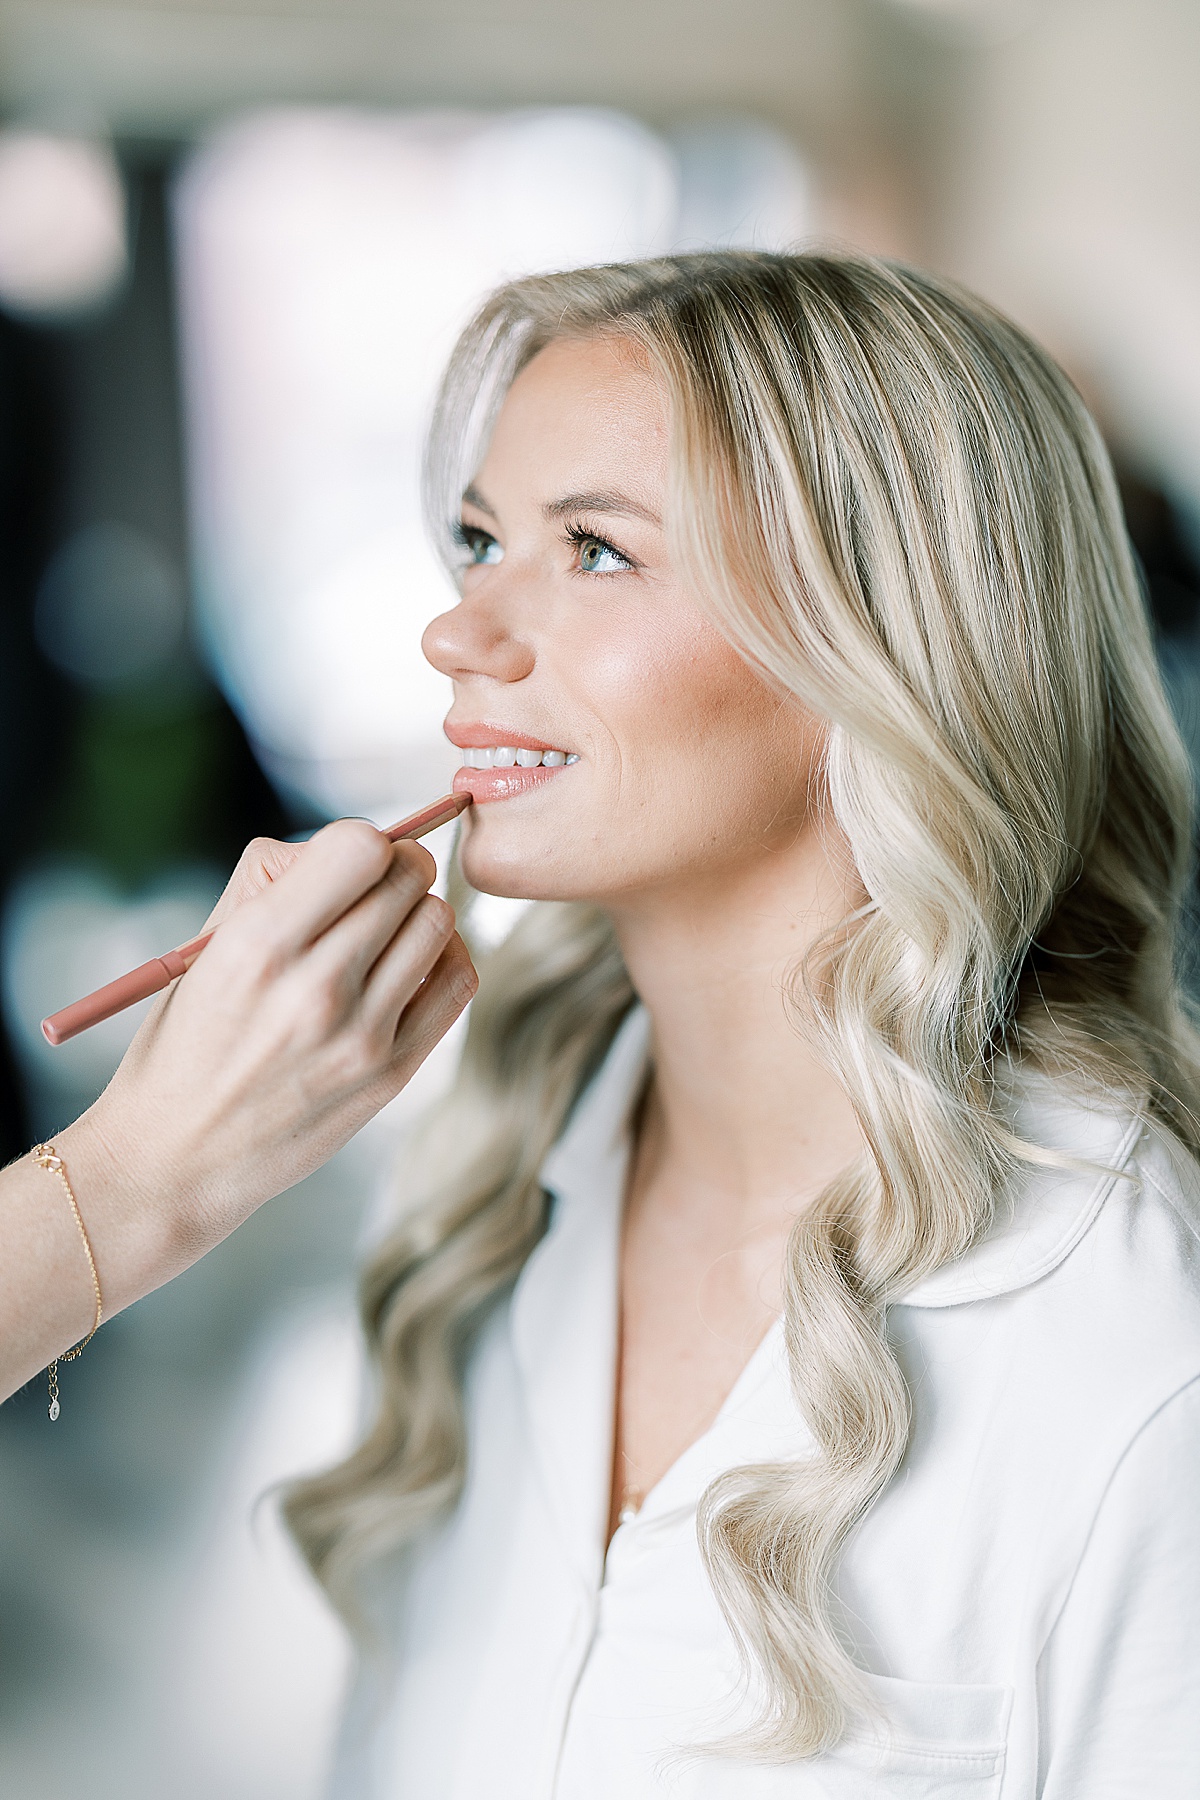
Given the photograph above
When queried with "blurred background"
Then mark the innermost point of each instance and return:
(235, 245)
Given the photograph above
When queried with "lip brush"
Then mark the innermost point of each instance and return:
(161, 971)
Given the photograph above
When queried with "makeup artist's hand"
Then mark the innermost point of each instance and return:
(332, 976)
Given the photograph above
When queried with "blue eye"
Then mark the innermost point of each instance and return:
(596, 556)
(481, 547)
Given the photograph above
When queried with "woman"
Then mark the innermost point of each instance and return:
(788, 1353)
(788, 1348)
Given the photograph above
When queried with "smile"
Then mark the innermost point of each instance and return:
(504, 771)
(508, 756)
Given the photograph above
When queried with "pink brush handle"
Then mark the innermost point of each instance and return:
(438, 812)
(152, 977)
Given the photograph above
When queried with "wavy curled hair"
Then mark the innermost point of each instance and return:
(898, 509)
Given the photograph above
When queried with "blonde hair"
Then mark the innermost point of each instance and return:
(899, 510)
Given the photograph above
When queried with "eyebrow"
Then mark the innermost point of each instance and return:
(473, 497)
(618, 506)
(603, 501)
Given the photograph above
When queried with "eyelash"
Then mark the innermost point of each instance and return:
(576, 535)
(579, 535)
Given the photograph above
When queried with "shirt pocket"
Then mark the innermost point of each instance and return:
(928, 1741)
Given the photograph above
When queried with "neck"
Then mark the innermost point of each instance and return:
(740, 1105)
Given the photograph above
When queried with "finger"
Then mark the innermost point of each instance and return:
(438, 1002)
(338, 866)
(262, 862)
(406, 962)
(355, 942)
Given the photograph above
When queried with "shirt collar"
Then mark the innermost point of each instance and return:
(598, 1128)
(1083, 1144)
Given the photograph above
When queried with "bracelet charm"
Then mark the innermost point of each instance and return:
(47, 1157)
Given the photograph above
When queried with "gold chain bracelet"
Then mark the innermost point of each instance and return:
(47, 1157)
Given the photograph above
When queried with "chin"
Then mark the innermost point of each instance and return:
(502, 864)
(509, 883)
(513, 869)
(517, 855)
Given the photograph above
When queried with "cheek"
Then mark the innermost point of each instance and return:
(705, 749)
(660, 686)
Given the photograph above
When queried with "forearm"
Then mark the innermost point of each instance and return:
(47, 1299)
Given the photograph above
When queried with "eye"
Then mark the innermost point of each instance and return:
(481, 547)
(596, 555)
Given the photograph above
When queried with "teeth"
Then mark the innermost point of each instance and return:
(507, 756)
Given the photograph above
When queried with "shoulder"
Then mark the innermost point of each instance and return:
(1095, 1245)
(1168, 1177)
(1065, 1345)
(1144, 1244)
(1142, 1254)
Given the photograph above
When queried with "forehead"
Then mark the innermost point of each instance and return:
(580, 405)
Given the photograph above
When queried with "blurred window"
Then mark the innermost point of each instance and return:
(62, 224)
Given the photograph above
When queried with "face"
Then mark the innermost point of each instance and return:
(614, 743)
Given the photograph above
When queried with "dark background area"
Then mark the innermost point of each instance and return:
(155, 773)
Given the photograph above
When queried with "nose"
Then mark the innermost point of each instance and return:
(472, 639)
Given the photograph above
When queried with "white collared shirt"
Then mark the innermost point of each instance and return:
(1025, 1595)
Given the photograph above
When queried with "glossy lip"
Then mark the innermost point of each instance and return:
(485, 785)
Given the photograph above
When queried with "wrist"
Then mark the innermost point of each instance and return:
(128, 1208)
